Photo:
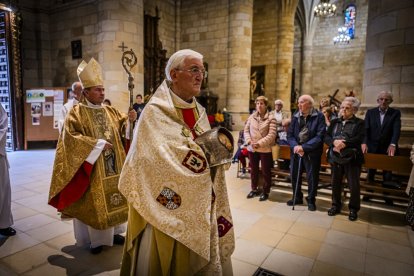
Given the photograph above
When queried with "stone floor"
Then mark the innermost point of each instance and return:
(268, 234)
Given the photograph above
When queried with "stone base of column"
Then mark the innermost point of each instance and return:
(239, 118)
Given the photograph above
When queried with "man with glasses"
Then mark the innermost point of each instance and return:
(179, 214)
(383, 127)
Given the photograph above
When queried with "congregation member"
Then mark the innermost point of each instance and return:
(241, 154)
(88, 161)
(179, 215)
(344, 138)
(305, 137)
(410, 192)
(6, 217)
(77, 95)
(139, 105)
(280, 115)
(260, 136)
(383, 128)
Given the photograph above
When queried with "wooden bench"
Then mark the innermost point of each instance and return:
(401, 169)
(399, 165)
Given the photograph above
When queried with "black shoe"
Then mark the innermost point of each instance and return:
(297, 201)
(7, 232)
(389, 202)
(353, 215)
(264, 197)
(96, 250)
(365, 198)
(333, 211)
(119, 239)
(253, 193)
(311, 206)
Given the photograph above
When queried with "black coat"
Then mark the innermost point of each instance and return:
(352, 132)
(378, 137)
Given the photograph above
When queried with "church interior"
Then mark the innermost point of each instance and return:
(279, 49)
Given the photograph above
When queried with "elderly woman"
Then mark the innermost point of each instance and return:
(344, 138)
(260, 135)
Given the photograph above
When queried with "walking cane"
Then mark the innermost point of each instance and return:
(297, 182)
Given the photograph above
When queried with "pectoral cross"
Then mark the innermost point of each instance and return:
(107, 134)
(123, 47)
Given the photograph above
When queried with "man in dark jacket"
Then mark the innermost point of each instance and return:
(383, 127)
(305, 137)
(344, 138)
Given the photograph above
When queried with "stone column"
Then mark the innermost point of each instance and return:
(239, 59)
(389, 58)
(120, 21)
(306, 80)
(284, 57)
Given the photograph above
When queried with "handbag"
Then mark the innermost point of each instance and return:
(344, 157)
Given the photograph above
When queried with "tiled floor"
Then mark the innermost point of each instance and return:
(268, 234)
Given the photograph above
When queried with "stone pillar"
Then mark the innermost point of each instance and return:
(389, 58)
(284, 57)
(306, 80)
(239, 59)
(120, 21)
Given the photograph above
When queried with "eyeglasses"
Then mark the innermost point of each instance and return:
(195, 71)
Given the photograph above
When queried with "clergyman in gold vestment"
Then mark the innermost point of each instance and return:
(88, 162)
(179, 219)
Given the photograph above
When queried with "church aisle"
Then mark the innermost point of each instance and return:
(268, 234)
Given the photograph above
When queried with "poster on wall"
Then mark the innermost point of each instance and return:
(47, 109)
(35, 112)
(35, 96)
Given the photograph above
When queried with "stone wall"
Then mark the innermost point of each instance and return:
(204, 28)
(264, 43)
(339, 66)
(169, 23)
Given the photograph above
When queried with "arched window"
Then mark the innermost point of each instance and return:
(350, 15)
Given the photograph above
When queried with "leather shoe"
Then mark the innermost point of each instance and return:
(263, 197)
(7, 232)
(119, 239)
(353, 215)
(333, 211)
(297, 201)
(96, 250)
(252, 194)
(311, 206)
(389, 202)
(365, 198)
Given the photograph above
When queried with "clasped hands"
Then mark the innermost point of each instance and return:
(339, 144)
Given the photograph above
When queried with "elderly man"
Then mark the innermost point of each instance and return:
(305, 137)
(344, 138)
(88, 162)
(179, 215)
(279, 115)
(77, 95)
(6, 217)
(383, 127)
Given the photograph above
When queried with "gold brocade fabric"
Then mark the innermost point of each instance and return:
(102, 206)
(164, 179)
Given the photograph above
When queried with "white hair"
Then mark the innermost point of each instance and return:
(279, 101)
(308, 98)
(388, 94)
(354, 102)
(177, 59)
(76, 83)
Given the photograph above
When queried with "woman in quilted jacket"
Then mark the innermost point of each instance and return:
(260, 135)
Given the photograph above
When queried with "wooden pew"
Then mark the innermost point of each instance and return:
(399, 165)
(401, 169)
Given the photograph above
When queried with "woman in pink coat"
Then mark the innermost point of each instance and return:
(259, 135)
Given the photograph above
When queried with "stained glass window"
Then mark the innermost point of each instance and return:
(350, 14)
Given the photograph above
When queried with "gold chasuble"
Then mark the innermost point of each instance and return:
(79, 189)
(179, 218)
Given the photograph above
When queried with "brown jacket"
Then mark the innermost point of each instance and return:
(261, 130)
